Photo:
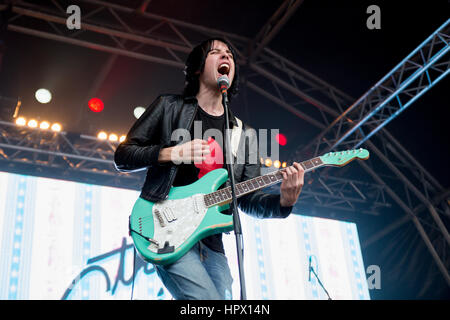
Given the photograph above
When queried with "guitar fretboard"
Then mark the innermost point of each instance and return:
(223, 196)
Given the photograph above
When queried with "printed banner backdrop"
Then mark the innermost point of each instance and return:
(67, 240)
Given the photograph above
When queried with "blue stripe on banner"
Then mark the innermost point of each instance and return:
(260, 258)
(14, 268)
(354, 257)
(306, 240)
(27, 239)
(86, 236)
(7, 235)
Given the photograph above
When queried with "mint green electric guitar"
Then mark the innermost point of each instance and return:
(164, 231)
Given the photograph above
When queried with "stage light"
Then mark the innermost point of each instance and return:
(21, 121)
(122, 138)
(284, 164)
(43, 96)
(56, 127)
(32, 123)
(268, 162)
(44, 125)
(281, 139)
(96, 105)
(102, 135)
(113, 137)
(277, 163)
(138, 111)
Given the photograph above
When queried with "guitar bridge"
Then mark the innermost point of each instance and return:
(166, 249)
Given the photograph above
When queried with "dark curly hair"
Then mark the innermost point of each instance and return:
(195, 62)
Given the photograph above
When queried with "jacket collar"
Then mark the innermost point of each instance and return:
(193, 99)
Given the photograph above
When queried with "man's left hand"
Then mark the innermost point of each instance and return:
(292, 184)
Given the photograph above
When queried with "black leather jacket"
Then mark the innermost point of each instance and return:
(153, 131)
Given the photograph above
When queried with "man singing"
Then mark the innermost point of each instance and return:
(203, 272)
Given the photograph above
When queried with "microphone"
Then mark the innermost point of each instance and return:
(224, 83)
(309, 270)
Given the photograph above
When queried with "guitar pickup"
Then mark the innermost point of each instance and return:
(160, 218)
(196, 206)
(168, 213)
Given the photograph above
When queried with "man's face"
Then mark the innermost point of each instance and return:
(219, 61)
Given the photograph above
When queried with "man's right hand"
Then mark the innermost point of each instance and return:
(193, 151)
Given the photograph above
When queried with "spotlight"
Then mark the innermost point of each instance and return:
(277, 163)
(122, 138)
(113, 137)
(43, 96)
(281, 139)
(284, 164)
(96, 105)
(32, 123)
(44, 125)
(268, 162)
(102, 135)
(56, 127)
(21, 121)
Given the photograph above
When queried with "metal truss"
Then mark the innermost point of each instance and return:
(340, 194)
(272, 27)
(69, 155)
(411, 186)
(405, 83)
(167, 41)
(416, 190)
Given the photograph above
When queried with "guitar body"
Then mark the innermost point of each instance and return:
(178, 223)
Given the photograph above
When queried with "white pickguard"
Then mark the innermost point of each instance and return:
(180, 217)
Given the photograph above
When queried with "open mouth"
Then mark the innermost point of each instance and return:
(224, 69)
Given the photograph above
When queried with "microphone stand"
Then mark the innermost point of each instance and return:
(233, 204)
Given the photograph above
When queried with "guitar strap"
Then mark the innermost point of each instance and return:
(236, 137)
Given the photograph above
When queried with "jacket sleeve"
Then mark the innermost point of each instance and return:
(140, 150)
(259, 204)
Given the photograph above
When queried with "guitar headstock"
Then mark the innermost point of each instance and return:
(341, 158)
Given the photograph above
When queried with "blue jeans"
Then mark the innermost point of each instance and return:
(201, 274)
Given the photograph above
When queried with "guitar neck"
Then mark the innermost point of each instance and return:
(223, 196)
